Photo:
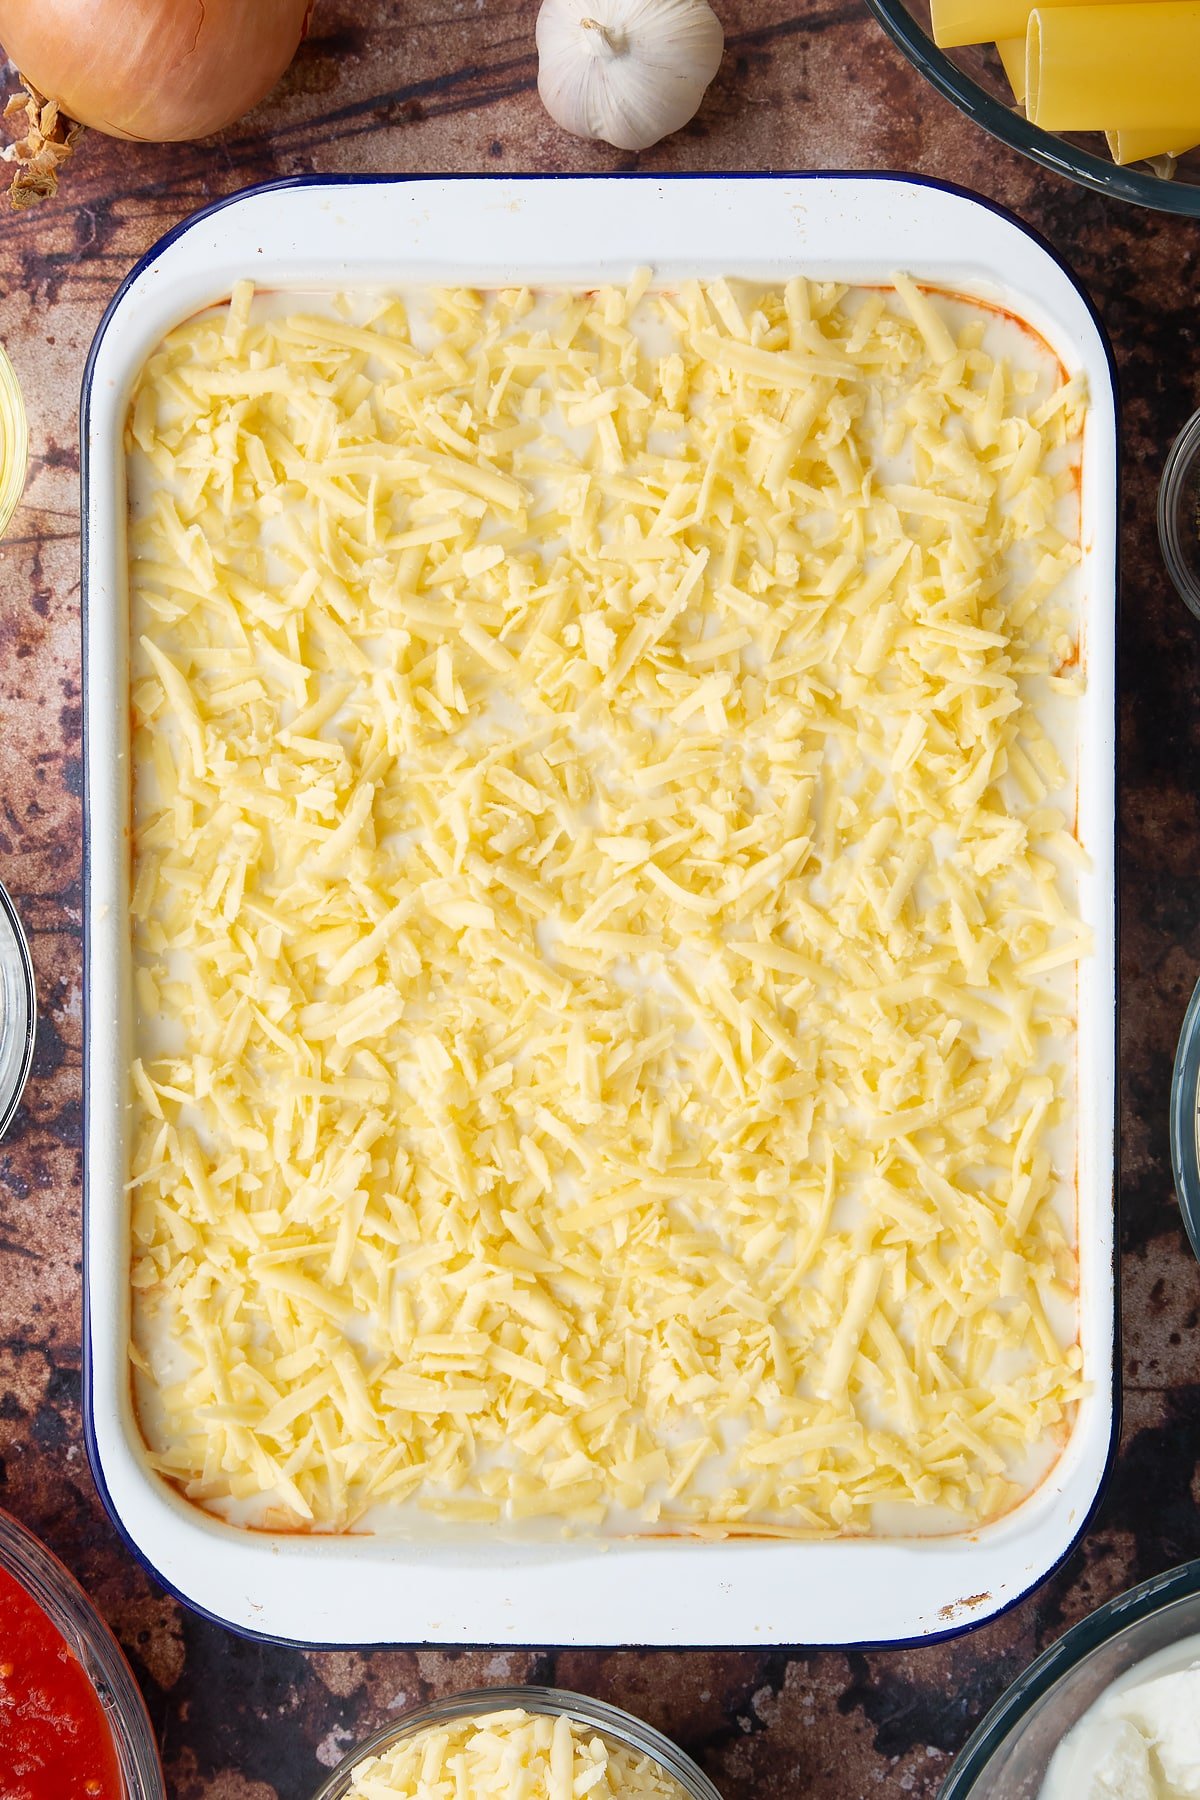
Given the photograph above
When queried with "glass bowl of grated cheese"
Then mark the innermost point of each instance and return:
(494, 1742)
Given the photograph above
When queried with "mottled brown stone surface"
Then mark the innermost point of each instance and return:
(384, 87)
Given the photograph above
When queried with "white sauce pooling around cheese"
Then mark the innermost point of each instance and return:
(603, 909)
(509, 1755)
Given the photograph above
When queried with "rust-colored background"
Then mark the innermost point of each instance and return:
(380, 86)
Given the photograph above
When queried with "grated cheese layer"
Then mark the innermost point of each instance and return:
(603, 909)
(511, 1756)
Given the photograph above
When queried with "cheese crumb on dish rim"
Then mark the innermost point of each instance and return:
(603, 909)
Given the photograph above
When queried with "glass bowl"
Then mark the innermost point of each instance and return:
(609, 1721)
(18, 1010)
(1008, 1755)
(1179, 514)
(1185, 1119)
(973, 78)
(14, 441)
(73, 1616)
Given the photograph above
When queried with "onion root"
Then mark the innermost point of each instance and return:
(50, 137)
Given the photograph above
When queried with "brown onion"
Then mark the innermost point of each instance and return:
(157, 70)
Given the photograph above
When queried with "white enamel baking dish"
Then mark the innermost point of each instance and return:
(481, 1590)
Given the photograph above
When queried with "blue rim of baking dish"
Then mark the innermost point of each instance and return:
(1185, 1120)
(335, 181)
(1014, 129)
(1099, 1627)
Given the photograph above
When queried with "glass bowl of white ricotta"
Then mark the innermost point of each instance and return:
(491, 1743)
(1109, 1712)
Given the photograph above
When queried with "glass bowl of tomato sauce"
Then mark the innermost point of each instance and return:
(73, 1725)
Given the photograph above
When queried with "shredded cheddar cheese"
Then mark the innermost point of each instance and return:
(603, 909)
(506, 1755)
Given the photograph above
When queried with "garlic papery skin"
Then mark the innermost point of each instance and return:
(628, 71)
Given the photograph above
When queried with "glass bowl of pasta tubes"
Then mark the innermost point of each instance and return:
(1105, 94)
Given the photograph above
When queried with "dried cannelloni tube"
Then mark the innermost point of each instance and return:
(1012, 55)
(1140, 145)
(956, 22)
(1089, 68)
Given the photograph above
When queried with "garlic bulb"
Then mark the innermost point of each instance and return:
(627, 71)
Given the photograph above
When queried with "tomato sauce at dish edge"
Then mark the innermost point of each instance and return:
(55, 1742)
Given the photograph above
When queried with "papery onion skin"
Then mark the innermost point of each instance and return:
(161, 71)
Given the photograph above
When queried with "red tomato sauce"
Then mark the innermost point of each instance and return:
(55, 1743)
